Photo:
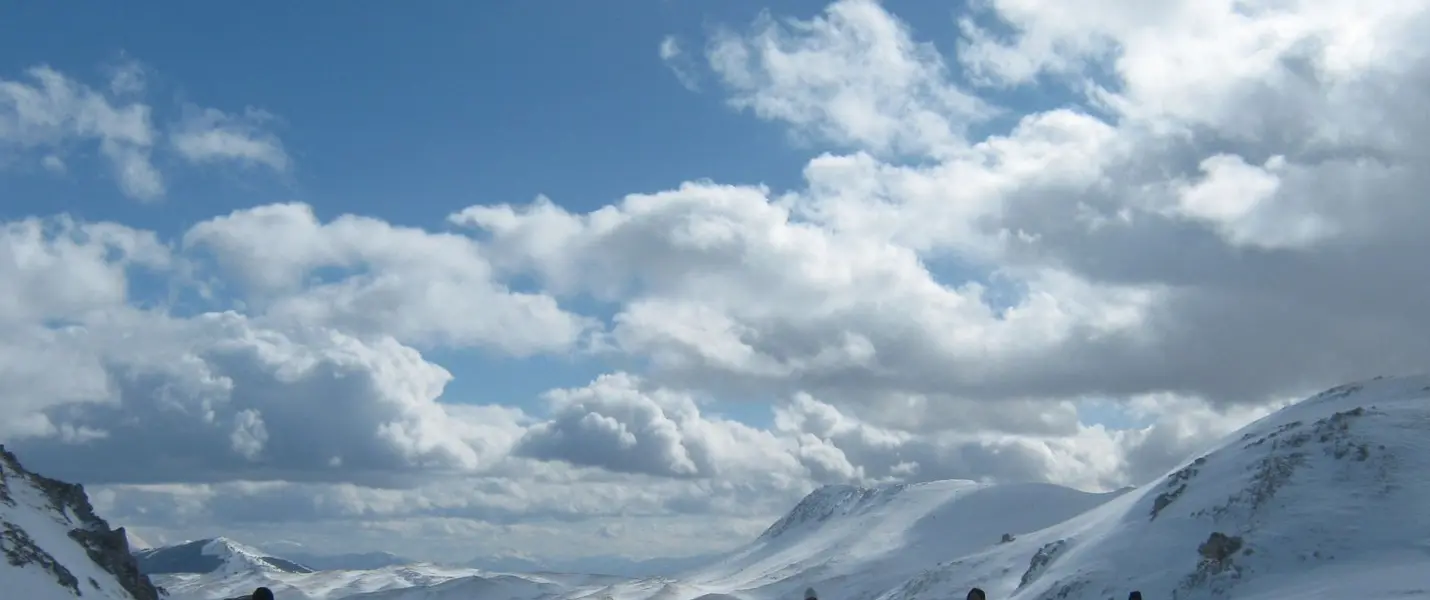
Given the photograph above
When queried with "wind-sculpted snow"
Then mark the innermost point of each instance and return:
(54, 546)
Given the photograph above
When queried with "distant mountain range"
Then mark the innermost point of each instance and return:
(356, 561)
(1323, 499)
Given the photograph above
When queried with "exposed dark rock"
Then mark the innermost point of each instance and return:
(108, 548)
(1175, 485)
(1040, 561)
(1219, 547)
(1217, 571)
(20, 550)
(1288, 448)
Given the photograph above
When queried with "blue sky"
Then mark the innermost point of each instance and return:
(408, 115)
(411, 114)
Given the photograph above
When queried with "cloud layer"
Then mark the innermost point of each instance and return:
(46, 116)
(964, 286)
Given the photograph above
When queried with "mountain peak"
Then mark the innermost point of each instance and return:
(827, 502)
(213, 555)
(53, 539)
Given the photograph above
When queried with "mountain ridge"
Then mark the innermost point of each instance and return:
(210, 555)
(1288, 501)
(53, 540)
(862, 540)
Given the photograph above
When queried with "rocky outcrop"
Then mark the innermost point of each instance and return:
(1040, 561)
(108, 548)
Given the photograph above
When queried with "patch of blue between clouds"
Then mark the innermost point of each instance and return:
(1000, 292)
(1109, 413)
(1045, 92)
(755, 412)
(481, 377)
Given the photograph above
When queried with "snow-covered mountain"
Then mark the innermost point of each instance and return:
(217, 555)
(862, 541)
(1322, 499)
(56, 547)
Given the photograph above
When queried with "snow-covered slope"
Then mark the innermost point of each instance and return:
(1322, 499)
(217, 555)
(420, 580)
(55, 547)
(866, 540)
